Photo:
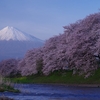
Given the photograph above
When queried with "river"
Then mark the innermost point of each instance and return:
(53, 92)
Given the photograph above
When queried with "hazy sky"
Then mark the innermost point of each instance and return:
(44, 18)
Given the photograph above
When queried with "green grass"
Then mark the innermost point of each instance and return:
(6, 85)
(63, 77)
(8, 88)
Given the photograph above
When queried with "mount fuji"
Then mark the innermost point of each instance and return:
(15, 43)
(11, 33)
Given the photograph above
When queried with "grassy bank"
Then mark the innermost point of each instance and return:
(8, 88)
(60, 77)
(6, 85)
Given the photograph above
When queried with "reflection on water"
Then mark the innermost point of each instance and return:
(53, 92)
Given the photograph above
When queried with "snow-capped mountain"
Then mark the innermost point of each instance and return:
(11, 33)
(15, 43)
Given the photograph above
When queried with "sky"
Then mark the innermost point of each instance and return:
(44, 18)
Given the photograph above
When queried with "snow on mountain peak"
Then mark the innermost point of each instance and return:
(11, 33)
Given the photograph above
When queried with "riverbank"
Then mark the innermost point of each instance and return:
(7, 85)
(9, 88)
(74, 85)
(61, 77)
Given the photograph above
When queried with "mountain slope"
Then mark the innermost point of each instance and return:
(14, 43)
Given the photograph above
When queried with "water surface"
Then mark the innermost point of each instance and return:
(53, 92)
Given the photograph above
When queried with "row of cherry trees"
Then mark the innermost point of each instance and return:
(46, 59)
(83, 44)
(77, 49)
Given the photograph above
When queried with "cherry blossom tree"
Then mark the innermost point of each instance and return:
(28, 65)
(54, 54)
(9, 67)
(81, 44)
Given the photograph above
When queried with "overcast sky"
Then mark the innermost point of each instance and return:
(44, 18)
